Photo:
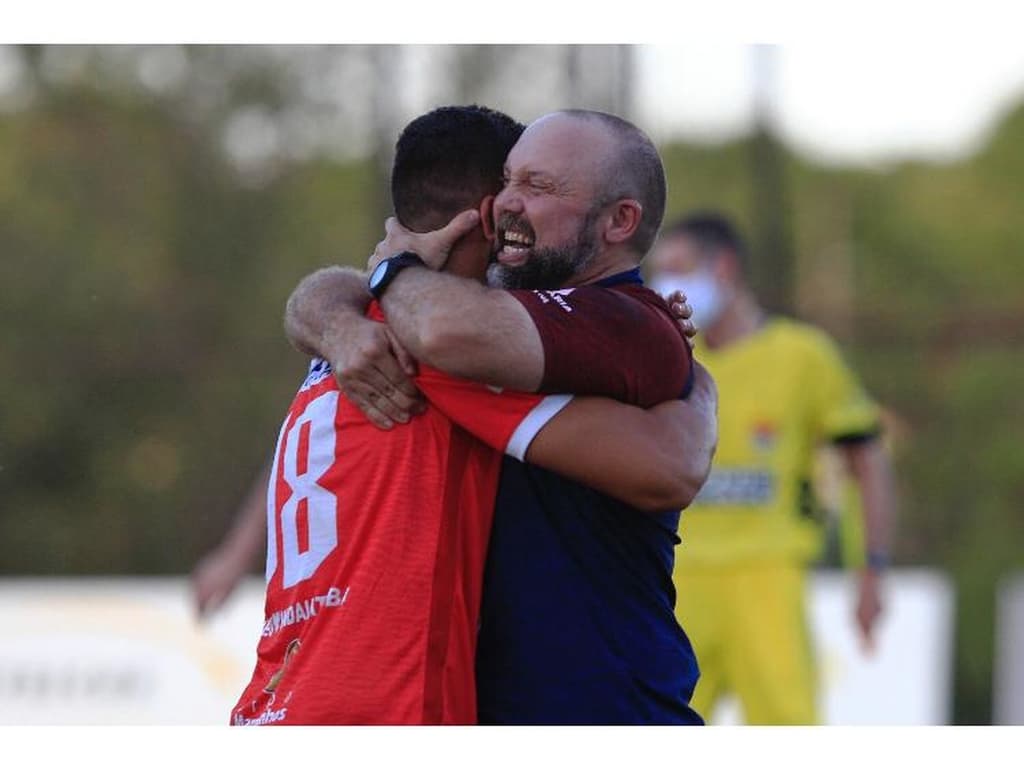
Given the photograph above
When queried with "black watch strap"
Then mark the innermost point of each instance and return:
(385, 272)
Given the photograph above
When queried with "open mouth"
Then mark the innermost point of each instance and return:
(514, 246)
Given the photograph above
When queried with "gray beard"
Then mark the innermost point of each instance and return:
(548, 268)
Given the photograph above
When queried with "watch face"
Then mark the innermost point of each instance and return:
(378, 274)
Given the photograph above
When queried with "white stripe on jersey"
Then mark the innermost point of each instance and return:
(534, 422)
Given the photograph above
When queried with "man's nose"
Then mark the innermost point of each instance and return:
(507, 201)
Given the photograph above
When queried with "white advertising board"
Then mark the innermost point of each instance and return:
(121, 651)
(1008, 669)
(130, 651)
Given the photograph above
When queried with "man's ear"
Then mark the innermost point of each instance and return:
(486, 210)
(624, 218)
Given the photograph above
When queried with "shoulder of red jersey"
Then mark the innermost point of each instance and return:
(319, 369)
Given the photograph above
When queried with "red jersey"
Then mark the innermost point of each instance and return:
(375, 556)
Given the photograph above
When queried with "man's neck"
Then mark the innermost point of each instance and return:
(740, 319)
(604, 266)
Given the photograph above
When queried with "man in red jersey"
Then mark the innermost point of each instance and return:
(377, 540)
(577, 621)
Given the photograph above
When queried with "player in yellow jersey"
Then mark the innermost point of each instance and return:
(748, 538)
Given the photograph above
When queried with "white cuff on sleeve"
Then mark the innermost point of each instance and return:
(535, 420)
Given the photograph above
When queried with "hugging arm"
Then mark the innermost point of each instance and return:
(451, 323)
(322, 305)
(465, 329)
(655, 459)
(585, 340)
(325, 316)
(456, 324)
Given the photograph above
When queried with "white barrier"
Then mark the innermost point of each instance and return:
(121, 651)
(1008, 669)
(129, 651)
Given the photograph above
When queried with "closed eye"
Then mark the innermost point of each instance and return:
(532, 182)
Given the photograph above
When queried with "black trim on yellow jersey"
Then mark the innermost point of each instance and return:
(858, 438)
(807, 501)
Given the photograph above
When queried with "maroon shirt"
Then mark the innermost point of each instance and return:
(577, 623)
(614, 338)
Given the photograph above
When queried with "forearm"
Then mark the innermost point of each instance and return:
(687, 434)
(321, 303)
(465, 329)
(688, 431)
(870, 467)
(654, 460)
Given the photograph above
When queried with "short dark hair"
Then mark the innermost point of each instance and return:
(635, 171)
(712, 231)
(448, 160)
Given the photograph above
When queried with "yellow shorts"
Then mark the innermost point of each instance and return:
(748, 626)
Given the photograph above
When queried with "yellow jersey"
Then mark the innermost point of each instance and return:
(782, 392)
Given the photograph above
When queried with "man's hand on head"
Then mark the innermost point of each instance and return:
(432, 247)
(682, 312)
(375, 372)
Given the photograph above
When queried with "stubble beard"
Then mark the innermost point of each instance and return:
(549, 268)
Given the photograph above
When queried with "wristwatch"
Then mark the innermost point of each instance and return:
(388, 269)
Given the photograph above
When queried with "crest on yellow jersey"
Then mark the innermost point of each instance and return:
(764, 436)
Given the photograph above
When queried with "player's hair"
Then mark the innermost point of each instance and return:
(634, 171)
(712, 232)
(447, 161)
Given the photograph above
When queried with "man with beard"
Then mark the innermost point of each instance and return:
(577, 621)
(376, 540)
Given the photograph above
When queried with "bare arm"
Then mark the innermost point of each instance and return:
(465, 329)
(454, 324)
(654, 460)
(461, 327)
(468, 330)
(870, 467)
(320, 306)
(325, 316)
(217, 575)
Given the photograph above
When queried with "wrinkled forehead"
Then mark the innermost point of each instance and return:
(569, 149)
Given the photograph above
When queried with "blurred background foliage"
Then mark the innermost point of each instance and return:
(157, 206)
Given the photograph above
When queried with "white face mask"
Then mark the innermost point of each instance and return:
(703, 293)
